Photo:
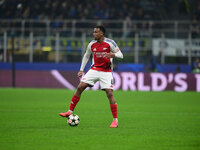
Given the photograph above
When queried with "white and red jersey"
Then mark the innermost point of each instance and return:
(99, 61)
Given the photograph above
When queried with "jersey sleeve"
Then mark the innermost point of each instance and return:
(86, 57)
(115, 49)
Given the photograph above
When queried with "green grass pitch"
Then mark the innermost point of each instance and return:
(29, 120)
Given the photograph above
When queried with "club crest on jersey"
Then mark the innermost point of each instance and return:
(94, 49)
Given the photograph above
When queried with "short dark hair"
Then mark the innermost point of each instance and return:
(101, 28)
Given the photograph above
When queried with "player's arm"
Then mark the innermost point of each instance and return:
(115, 51)
(118, 54)
(84, 61)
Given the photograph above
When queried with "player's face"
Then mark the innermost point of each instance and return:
(97, 33)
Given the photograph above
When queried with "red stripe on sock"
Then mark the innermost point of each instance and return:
(113, 108)
(74, 101)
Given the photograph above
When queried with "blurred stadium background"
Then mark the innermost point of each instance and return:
(41, 46)
(154, 35)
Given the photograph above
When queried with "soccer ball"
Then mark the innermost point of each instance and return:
(73, 120)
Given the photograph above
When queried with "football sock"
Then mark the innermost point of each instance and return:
(74, 101)
(115, 119)
(113, 108)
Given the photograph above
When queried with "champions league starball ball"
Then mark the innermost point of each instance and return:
(73, 120)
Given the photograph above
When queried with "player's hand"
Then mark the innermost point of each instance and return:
(109, 55)
(80, 73)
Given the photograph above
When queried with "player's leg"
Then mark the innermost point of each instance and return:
(106, 82)
(113, 107)
(89, 79)
(109, 94)
(75, 99)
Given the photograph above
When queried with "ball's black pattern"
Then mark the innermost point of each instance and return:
(73, 120)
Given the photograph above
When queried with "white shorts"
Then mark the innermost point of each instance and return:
(105, 78)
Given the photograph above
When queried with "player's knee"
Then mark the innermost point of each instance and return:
(109, 94)
(81, 87)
